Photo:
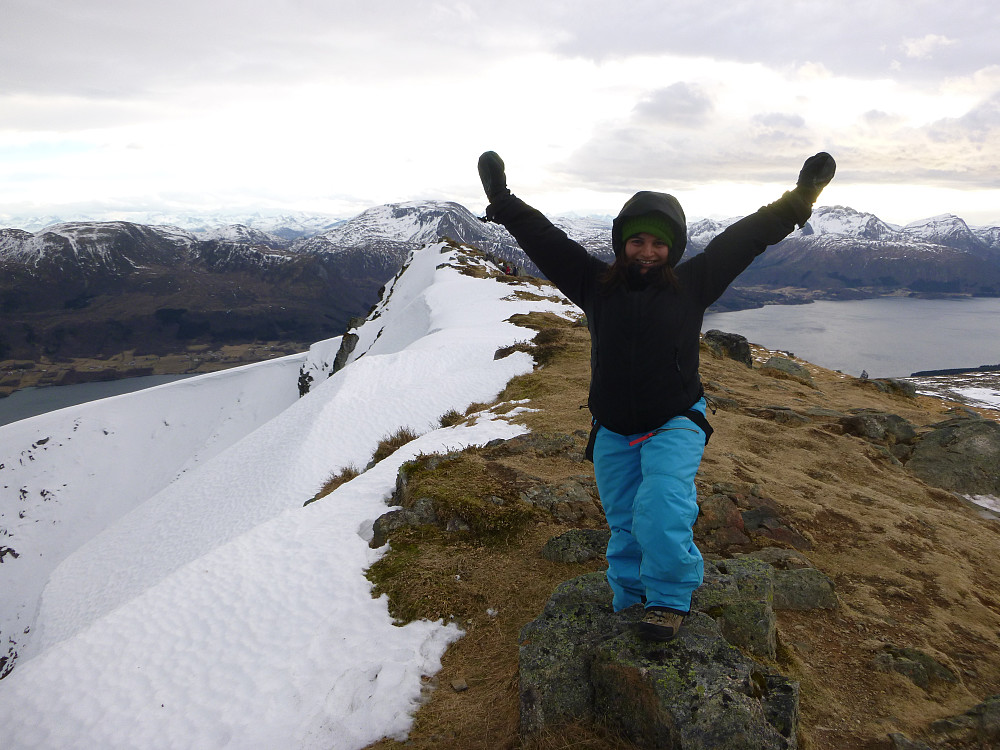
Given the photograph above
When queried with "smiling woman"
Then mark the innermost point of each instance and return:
(648, 405)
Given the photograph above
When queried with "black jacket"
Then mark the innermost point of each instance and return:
(644, 337)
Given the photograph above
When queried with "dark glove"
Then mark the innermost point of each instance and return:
(816, 174)
(491, 172)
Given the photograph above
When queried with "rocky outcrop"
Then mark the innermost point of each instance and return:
(731, 345)
(920, 668)
(731, 520)
(347, 345)
(577, 545)
(979, 727)
(961, 454)
(579, 660)
(782, 367)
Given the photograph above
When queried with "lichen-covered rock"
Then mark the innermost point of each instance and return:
(579, 660)
(765, 521)
(782, 367)
(698, 693)
(541, 444)
(962, 455)
(782, 559)
(577, 545)
(980, 724)
(573, 499)
(920, 668)
(803, 589)
(739, 594)
(890, 386)
(879, 427)
(780, 414)
(556, 651)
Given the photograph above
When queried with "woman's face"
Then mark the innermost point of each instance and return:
(646, 251)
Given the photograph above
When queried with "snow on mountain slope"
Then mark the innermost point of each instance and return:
(220, 611)
(69, 474)
(846, 221)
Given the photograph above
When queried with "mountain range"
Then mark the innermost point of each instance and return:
(95, 289)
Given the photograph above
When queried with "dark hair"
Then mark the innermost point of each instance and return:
(617, 275)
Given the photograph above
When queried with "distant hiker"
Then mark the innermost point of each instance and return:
(645, 313)
(864, 374)
(305, 379)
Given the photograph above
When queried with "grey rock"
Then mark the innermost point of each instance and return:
(781, 367)
(780, 414)
(577, 545)
(902, 742)
(731, 345)
(739, 594)
(879, 427)
(921, 669)
(347, 345)
(889, 386)
(803, 589)
(782, 559)
(698, 692)
(579, 660)
(571, 500)
(980, 724)
(962, 455)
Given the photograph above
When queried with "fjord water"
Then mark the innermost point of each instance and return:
(887, 336)
(33, 401)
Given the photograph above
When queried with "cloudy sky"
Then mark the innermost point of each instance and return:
(332, 106)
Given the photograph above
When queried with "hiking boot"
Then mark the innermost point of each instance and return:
(660, 624)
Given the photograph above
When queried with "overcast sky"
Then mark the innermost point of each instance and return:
(333, 106)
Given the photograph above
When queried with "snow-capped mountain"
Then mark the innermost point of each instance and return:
(287, 226)
(96, 288)
(165, 583)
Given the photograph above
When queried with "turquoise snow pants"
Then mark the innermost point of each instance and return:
(646, 483)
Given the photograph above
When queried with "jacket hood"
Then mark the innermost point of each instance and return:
(646, 202)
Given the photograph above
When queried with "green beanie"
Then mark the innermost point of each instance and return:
(655, 224)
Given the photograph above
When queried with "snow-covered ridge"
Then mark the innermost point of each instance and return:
(209, 608)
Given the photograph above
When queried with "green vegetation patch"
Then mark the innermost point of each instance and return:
(470, 495)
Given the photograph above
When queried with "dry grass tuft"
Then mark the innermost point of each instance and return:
(390, 444)
(342, 477)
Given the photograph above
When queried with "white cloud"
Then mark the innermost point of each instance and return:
(301, 101)
(925, 46)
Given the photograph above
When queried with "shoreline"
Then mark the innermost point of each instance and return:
(16, 375)
(955, 371)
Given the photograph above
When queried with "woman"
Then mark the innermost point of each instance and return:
(645, 314)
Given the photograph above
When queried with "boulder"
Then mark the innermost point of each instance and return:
(577, 545)
(731, 345)
(739, 594)
(781, 367)
(921, 669)
(347, 345)
(803, 589)
(961, 455)
(879, 427)
(979, 725)
(573, 499)
(579, 660)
